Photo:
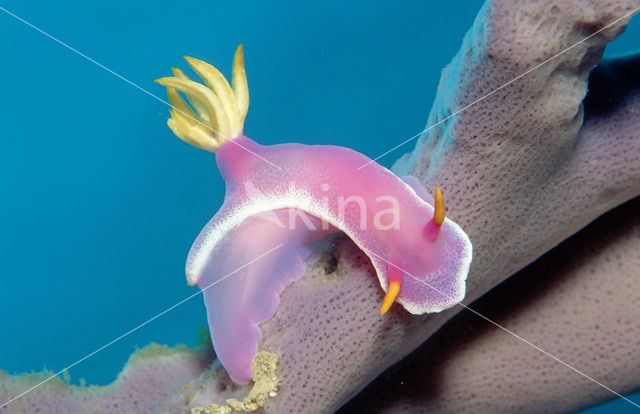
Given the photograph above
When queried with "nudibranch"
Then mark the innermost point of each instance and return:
(281, 200)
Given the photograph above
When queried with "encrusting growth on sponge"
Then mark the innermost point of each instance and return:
(265, 386)
(214, 111)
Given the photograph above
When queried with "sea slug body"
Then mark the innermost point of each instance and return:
(281, 199)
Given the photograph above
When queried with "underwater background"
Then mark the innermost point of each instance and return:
(100, 202)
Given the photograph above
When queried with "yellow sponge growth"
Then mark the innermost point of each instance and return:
(265, 386)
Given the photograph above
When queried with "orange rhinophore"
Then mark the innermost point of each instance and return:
(432, 228)
(395, 284)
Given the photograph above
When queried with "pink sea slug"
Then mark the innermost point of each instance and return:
(282, 200)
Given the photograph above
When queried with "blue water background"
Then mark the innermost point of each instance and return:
(100, 202)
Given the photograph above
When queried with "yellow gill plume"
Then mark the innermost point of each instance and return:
(215, 111)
